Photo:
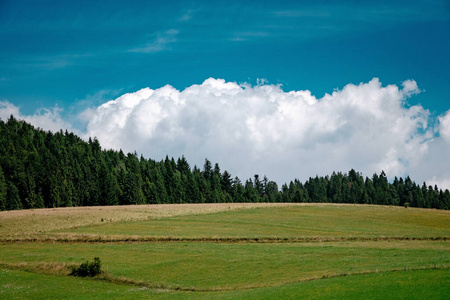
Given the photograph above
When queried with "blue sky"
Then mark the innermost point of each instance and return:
(62, 52)
(77, 55)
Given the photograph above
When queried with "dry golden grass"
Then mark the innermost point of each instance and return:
(26, 223)
(49, 268)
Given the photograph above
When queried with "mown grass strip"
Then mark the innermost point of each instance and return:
(230, 240)
(48, 268)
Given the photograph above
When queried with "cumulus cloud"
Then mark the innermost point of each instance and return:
(47, 119)
(263, 129)
(7, 109)
(444, 127)
(434, 167)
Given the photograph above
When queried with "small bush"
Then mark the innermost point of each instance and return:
(406, 204)
(87, 269)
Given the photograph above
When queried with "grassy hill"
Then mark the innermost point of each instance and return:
(228, 251)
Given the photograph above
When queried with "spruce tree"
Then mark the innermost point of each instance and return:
(3, 190)
(12, 197)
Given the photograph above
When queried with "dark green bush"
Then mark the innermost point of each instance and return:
(87, 269)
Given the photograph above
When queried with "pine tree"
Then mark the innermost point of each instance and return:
(226, 183)
(191, 189)
(12, 197)
(177, 187)
(285, 195)
(271, 192)
(445, 204)
(159, 185)
(216, 190)
(66, 193)
(335, 188)
(251, 193)
(108, 187)
(258, 185)
(238, 190)
(201, 184)
(3, 190)
(207, 170)
(183, 166)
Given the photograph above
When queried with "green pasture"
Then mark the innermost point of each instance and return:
(235, 266)
(420, 284)
(411, 261)
(325, 221)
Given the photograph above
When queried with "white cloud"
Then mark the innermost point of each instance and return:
(7, 109)
(47, 119)
(444, 126)
(262, 129)
(434, 167)
(188, 15)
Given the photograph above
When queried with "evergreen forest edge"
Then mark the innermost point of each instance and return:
(43, 169)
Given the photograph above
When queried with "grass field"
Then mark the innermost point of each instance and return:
(37, 221)
(228, 251)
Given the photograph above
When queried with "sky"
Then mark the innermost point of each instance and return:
(287, 89)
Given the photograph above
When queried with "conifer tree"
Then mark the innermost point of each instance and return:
(3, 190)
(12, 197)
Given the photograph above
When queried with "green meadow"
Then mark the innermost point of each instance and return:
(229, 252)
(323, 221)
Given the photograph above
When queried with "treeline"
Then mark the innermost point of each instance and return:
(43, 169)
(354, 188)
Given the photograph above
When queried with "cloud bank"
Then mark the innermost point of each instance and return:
(286, 135)
(264, 130)
(47, 119)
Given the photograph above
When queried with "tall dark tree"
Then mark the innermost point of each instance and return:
(3, 190)
(226, 183)
(207, 170)
(108, 187)
(191, 189)
(271, 193)
(12, 197)
(335, 189)
(258, 185)
(216, 189)
(238, 190)
(251, 193)
(183, 166)
(177, 187)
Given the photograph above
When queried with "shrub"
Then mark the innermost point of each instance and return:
(87, 269)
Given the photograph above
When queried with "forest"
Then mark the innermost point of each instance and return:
(43, 169)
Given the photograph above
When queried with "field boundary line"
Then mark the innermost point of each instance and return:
(99, 239)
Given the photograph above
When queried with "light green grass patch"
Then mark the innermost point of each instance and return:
(420, 284)
(325, 221)
(235, 266)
